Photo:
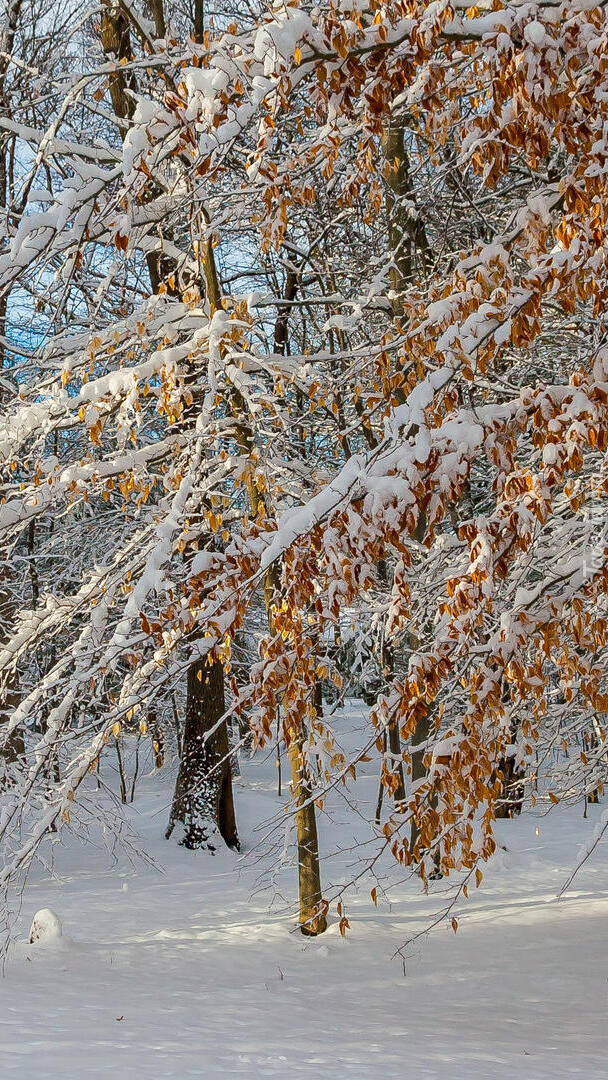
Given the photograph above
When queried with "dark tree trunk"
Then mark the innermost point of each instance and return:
(203, 799)
(116, 44)
(513, 789)
(591, 742)
(406, 232)
(421, 734)
(158, 738)
(12, 747)
(394, 736)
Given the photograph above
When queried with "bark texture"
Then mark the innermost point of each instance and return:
(406, 233)
(513, 789)
(12, 746)
(203, 799)
(312, 919)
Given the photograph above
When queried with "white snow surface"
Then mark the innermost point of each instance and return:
(192, 971)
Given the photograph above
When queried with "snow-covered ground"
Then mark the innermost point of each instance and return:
(195, 972)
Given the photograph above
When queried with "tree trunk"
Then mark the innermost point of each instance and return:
(394, 735)
(406, 233)
(513, 790)
(312, 919)
(12, 747)
(419, 771)
(116, 43)
(203, 799)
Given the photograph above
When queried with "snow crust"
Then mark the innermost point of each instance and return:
(193, 971)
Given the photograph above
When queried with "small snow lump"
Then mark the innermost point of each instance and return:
(45, 926)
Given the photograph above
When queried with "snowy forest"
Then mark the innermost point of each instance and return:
(304, 538)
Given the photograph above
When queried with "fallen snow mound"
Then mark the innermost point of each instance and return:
(46, 926)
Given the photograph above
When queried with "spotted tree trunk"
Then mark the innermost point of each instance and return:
(203, 802)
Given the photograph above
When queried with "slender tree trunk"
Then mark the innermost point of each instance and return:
(593, 738)
(312, 920)
(158, 738)
(513, 789)
(393, 735)
(406, 233)
(409, 248)
(419, 738)
(12, 747)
